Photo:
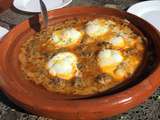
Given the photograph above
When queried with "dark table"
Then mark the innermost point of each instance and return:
(149, 110)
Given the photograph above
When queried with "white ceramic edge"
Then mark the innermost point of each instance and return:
(3, 31)
(141, 8)
(133, 9)
(65, 3)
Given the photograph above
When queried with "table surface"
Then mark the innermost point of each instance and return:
(149, 110)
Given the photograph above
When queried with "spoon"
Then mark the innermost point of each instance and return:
(44, 13)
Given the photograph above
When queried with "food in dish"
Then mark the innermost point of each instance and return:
(66, 37)
(96, 27)
(63, 65)
(117, 42)
(108, 60)
(82, 56)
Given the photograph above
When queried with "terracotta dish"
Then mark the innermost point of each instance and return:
(39, 101)
(5, 4)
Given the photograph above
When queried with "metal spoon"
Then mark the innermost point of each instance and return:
(44, 13)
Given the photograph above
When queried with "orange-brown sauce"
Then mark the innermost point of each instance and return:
(36, 52)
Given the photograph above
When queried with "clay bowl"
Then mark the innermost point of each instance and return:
(39, 101)
(5, 4)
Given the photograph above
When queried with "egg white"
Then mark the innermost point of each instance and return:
(109, 59)
(97, 27)
(118, 42)
(63, 65)
(66, 37)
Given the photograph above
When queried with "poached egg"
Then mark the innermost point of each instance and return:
(108, 60)
(63, 65)
(97, 27)
(66, 37)
(118, 42)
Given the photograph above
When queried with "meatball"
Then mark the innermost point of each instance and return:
(103, 79)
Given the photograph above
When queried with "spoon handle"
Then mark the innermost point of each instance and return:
(44, 13)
